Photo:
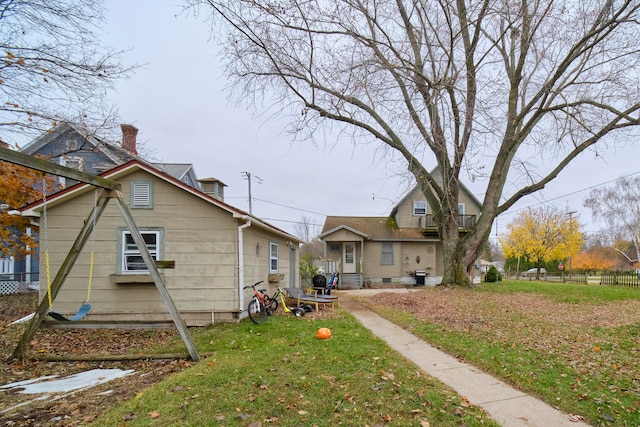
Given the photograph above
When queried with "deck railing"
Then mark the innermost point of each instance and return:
(464, 221)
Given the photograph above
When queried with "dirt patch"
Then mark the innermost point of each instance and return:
(83, 406)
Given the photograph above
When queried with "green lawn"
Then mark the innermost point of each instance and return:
(278, 373)
(574, 346)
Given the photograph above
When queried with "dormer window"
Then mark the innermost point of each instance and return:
(419, 207)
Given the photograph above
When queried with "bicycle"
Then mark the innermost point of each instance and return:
(261, 305)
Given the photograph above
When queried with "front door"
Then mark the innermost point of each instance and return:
(349, 258)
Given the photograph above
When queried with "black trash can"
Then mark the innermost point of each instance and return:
(420, 276)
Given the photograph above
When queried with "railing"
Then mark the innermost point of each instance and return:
(464, 221)
(620, 278)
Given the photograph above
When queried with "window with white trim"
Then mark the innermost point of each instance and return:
(73, 162)
(461, 208)
(131, 258)
(141, 195)
(419, 207)
(386, 256)
(273, 258)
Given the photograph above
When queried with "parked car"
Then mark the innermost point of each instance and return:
(532, 272)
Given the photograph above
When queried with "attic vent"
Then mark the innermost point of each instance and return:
(141, 195)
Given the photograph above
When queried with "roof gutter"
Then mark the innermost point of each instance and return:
(241, 228)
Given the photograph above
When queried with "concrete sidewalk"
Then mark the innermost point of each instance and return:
(506, 405)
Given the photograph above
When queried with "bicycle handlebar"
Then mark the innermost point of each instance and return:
(253, 286)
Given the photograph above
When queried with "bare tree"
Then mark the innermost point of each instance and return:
(306, 229)
(53, 69)
(483, 87)
(619, 206)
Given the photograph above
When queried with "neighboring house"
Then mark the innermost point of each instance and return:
(71, 146)
(401, 248)
(217, 250)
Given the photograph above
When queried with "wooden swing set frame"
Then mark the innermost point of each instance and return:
(110, 190)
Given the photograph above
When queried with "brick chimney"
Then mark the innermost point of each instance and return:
(129, 134)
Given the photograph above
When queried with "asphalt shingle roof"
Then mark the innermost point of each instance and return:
(373, 228)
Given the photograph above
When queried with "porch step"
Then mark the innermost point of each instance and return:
(350, 281)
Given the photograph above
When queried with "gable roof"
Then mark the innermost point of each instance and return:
(115, 153)
(67, 194)
(434, 172)
(370, 228)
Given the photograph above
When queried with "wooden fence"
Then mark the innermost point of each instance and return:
(620, 278)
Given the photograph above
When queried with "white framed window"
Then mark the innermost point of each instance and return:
(274, 263)
(73, 162)
(71, 144)
(419, 207)
(6, 265)
(131, 258)
(142, 195)
(461, 208)
(386, 256)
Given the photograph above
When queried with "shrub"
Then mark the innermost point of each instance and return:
(493, 275)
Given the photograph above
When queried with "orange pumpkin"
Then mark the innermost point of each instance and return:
(323, 334)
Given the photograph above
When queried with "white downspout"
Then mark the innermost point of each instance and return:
(241, 264)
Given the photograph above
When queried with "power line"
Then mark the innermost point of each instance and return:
(290, 207)
(576, 192)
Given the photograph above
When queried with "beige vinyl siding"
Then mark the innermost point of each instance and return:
(405, 217)
(372, 258)
(404, 257)
(200, 237)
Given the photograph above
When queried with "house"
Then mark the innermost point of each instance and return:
(70, 145)
(217, 249)
(402, 248)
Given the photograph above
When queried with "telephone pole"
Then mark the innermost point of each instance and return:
(248, 178)
(570, 213)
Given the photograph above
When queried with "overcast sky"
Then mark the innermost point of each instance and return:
(179, 104)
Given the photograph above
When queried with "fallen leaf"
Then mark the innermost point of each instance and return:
(153, 414)
(575, 418)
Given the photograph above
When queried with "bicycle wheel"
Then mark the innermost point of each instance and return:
(257, 312)
(271, 305)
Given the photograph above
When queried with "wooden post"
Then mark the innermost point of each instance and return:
(62, 274)
(157, 279)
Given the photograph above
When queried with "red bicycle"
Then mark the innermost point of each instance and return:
(261, 305)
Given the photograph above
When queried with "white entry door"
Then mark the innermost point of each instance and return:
(349, 258)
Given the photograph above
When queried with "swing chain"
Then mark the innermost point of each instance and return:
(93, 243)
(46, 240)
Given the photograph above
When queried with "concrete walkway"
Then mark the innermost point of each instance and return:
(506, 405)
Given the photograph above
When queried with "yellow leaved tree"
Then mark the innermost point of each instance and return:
(19, 186)
(542, 235)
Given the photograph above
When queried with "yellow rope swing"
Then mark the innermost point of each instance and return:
(85, 307)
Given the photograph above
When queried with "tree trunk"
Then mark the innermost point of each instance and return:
(453, 252)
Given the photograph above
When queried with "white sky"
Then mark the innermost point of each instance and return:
(177, 101)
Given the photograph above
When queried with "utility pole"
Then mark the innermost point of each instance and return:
(248, 178)
(570, 213)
